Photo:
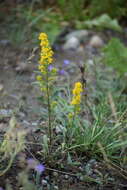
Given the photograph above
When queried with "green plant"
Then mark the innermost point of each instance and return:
(25, 21)
(13, 143)
(115, 55)
(101, 22)
(46, 78)
(114, 8)
(74, 9)
(76, 134)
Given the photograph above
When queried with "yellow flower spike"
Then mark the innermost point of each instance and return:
(46, 51)
(42, 36)
(76, 100)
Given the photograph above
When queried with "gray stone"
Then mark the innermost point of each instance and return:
(44, 182)
(71, 43)
(96, 42)
(79, 34)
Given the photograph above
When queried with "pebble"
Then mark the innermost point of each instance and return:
(55, 174)
(79, 34)
(66, 176)
(96, 42)
(90, 62)
(56, 187)
(81, 178)
(22, 67)
(72, 43)
(44, 182)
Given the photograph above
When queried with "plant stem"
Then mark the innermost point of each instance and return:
(49, 109)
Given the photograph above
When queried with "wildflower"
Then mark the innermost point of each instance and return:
(62, 72)
(31, 163)
(45, 62)
(50, 67)
(66, 62)
(46, 51)
(39, 168)
(76, 100)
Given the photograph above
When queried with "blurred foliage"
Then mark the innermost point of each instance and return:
(115, 55)
(81, 9)
(24, 20)
(72, 9)
(103, 21)
(114, 8)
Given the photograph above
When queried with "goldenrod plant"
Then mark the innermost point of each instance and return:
(47, 77)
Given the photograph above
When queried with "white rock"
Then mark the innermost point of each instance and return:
(66, 176)
(56, 187)
(90, 62)
(96, 42)
(71, 43)
(44, 182)
(79, 34)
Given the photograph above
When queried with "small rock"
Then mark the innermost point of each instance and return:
(55, 174)
(72, 43)
(66, 176)
(79, 34)
(90, 62)
(22, 67)
(34, 123)
(44, 182)
(80, 49)
(1, 87)
(92, 161)
(56, 187)
(81, 178)
(96, 42)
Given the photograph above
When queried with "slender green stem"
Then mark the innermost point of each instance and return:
(49, 108)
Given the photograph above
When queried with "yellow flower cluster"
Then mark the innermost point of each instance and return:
(76, 100)
(46, 53)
